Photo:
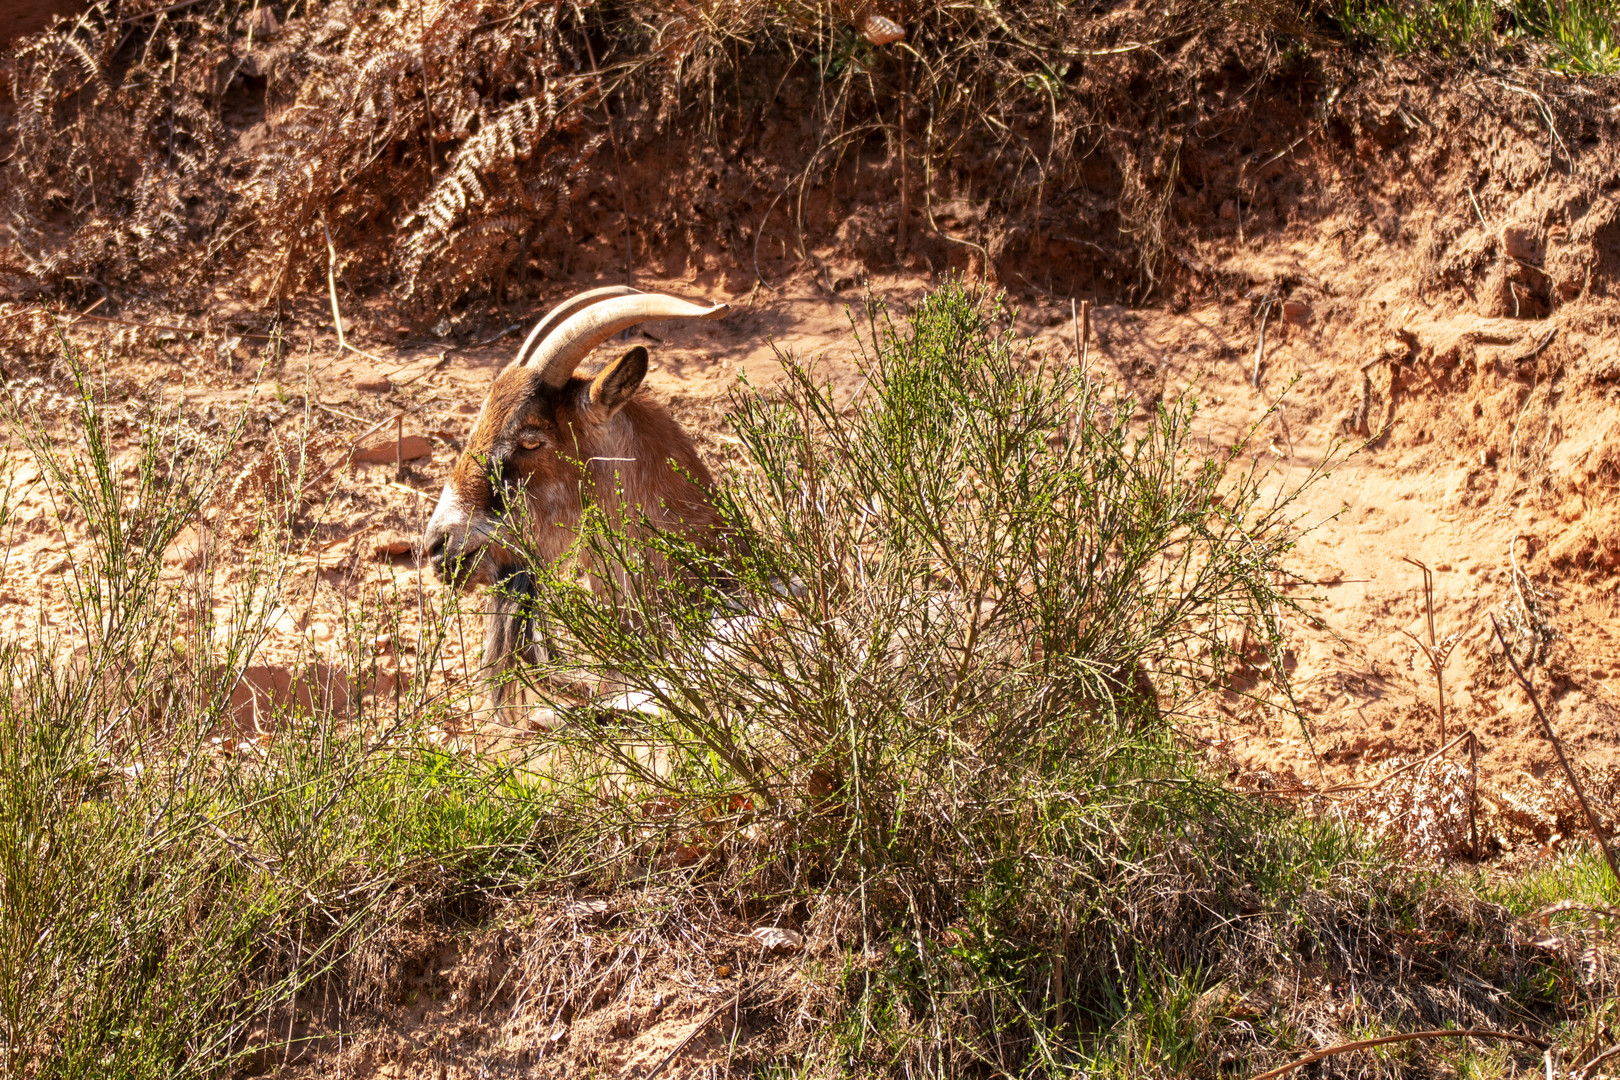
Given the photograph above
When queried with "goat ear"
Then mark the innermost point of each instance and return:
(615, 384)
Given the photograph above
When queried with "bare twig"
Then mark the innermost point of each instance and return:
(1467, 736)
(1082, 332)
(160, 11)
(369, 431)
(1541, 347)
(1368, 785)
(331, 285)
(330, 544)
(1473, 794)
(1260, 347)
(489, 340)
(1592, 1066)
(1438, 652)
(422, 370)
(427, 95)
(695, 1032)
(1363, 1044)
(1558, 749)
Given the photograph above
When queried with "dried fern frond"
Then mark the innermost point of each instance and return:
(374, 101)
(128, 155)
(496, 191)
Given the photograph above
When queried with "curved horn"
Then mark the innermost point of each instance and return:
(560, 353)
(556, 315)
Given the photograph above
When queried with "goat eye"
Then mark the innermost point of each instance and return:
(531, 440)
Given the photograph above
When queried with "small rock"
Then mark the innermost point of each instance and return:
(388, 548)
(1296, 312)
(372, 384)
(385, 453)
(777, 939)
(1522, 242)
(586, 909)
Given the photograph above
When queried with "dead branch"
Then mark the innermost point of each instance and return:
(1363, 1044)
(1368, 785)
(1558, 749)
(1437, 652)
(1592, 1066)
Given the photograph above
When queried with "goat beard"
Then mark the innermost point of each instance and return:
(510, 640)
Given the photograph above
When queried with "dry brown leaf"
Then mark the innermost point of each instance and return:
(777, 939)
(881, 31)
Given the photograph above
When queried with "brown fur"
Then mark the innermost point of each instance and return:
(600, 440)
(656, 482)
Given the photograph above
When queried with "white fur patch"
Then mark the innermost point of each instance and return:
(462, 530)
(449, 514)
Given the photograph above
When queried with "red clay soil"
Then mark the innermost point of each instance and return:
(20, 17)
(1415, 282)
(1437, 303)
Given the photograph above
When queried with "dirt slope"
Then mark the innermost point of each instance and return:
(1445, 483)
(21, 17)
(1424, 273)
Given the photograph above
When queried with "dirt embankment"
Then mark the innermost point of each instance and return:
(1419, 267)
(1410, 277)
(22, 17)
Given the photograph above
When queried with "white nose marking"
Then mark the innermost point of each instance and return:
(449, 513)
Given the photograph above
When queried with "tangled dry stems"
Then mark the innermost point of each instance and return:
(443, 147)
(435, 162)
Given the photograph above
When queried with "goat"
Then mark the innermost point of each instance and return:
(559, 441)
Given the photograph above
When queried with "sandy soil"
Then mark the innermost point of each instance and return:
(1485, 461)
(1458, 372)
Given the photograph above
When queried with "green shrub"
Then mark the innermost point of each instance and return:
(169, 883)
(975, 598)
(1577, 37)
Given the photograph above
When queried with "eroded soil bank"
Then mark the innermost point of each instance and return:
(1411, 280)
